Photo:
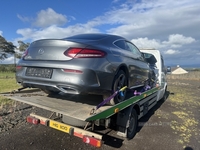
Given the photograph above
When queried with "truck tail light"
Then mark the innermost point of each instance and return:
(32, 120)
(92, 141)
(84, 53)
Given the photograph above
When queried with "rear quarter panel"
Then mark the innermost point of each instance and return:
(137, 69)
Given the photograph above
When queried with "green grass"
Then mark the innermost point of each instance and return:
(7, 84)
(5, 75)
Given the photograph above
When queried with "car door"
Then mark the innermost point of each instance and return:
(138, 68)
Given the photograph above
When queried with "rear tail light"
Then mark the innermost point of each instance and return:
(32, 120)
(25, 53)
(92, 141)
(84, 53)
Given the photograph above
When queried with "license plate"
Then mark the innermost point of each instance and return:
(59, 126)
(39, 72)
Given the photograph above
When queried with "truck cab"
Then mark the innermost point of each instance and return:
(159, 69)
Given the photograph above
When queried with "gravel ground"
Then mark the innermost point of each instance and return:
(173, 124)
(15, 115)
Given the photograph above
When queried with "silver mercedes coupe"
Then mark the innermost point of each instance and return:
(83, 64)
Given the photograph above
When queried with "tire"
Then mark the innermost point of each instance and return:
(133, 123)
(164, 96)
(120, 81)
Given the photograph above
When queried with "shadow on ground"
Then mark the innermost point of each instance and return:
(152, 111)
(115, 142)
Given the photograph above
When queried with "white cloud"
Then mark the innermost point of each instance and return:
(23, 18)
(1, 33)
(177, 40)
(171, 52)
(150, 19)
(49, 17)
(9, 60)
(46, 18)
(146, 43)
(165, 46)
(54, 32)
(147, 23)
(154, 18)
(115, 1)
(71, 18)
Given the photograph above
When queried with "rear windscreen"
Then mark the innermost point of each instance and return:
(87, 36)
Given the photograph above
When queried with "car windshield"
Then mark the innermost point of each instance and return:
(147, 55)
(150, 58)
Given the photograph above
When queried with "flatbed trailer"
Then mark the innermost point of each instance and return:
(78, 115)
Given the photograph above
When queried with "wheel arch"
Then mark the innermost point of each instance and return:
(137, 108)
(166, 87)
(124, 68)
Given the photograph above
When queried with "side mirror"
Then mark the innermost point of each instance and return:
(168, 70)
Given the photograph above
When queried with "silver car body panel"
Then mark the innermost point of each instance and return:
(96, 74)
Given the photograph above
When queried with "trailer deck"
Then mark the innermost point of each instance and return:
(76, 106)
(70, 105)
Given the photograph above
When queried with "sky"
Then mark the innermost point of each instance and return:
(172, 26)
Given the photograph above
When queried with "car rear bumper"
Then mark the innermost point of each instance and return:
(89, 81)
(68, 89)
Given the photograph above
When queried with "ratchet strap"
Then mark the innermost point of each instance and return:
(108, 99)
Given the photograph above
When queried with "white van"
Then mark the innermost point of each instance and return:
(160, 70)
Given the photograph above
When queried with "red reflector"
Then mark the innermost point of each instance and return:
(18, 67)
(44, 122)
(92, 141)
(72, 71)
(84, 53)
(78, 135)
(32, 120)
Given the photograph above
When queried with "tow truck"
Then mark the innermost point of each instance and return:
(79, 115)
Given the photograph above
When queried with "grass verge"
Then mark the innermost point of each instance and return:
(7, 84)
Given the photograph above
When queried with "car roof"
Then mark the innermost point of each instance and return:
(93, 36)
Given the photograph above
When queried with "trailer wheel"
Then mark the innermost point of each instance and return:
(120, 81)
(164, 96)
(133, 123)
